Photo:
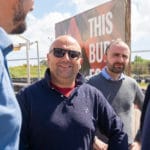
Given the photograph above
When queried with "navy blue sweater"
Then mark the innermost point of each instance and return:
(52, 121)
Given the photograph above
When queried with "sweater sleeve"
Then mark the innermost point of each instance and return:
(111, 126)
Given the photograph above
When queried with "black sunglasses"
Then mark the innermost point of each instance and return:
(59, 52)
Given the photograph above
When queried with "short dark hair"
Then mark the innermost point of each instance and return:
(112, 43)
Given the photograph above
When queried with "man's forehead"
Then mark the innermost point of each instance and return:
(66, 44)
(119, 46)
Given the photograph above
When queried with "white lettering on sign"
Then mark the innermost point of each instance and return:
(101, 25)
(96, 51)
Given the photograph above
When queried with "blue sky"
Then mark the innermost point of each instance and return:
(42, 8)
(42, 20)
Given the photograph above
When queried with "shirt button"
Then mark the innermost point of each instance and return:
(62, 96)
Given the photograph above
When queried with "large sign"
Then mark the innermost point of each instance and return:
(95, 28)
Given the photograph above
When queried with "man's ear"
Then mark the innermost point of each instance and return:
(47, 56)
(81, 61)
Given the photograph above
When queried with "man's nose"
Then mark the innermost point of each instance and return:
(32, 5)
(121, 59)
(66, 56)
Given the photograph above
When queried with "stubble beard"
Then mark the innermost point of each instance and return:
(19, 19)
(116, 70)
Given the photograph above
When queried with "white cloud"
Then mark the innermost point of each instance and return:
(43, 29)
(83, 5)
(140, 19)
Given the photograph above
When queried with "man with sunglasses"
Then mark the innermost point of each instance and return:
(61, 111)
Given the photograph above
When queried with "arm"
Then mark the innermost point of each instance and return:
(139, 97)
(111, 125)
(139, 103)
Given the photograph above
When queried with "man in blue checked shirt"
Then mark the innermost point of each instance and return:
(12, 21)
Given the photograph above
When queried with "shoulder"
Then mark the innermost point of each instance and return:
(131, 81)
(132, 85)
(34, 87)
(130, 78)
(89, 89)
(94, 78)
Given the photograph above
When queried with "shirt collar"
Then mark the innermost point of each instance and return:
(108, 77)
(5, 42)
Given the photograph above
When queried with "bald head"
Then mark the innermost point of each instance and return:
(65, 42)
(64, 60)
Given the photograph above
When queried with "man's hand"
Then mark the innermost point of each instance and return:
(135, 146)
(99, 145)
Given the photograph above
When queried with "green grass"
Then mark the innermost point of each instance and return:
(21, 71)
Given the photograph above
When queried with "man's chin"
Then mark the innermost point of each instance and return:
(66, 76)
(19, 29)
(118, 71)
